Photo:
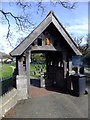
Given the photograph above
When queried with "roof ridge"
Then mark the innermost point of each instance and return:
(37, 31)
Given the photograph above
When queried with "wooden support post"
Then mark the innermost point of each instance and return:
(21, 70)
(35, 42)
(28, 55)
(16, 65)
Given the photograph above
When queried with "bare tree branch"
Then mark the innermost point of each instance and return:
(78, 40)
(23, 22)
(24, 5)
(67, 5)
(40, 7)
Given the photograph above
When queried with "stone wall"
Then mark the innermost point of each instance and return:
(7, 101)
(22, 87)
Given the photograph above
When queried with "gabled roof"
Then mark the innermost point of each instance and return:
(50, 18)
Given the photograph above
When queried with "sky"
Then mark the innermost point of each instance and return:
(75, 21)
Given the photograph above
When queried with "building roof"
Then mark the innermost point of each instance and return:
(50, 18)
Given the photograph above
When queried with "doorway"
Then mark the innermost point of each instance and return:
(49, 63)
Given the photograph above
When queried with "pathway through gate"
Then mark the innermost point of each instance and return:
(37, 91)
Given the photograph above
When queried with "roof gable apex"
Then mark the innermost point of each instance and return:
(64, 33)
(32, 36)
(50, 18)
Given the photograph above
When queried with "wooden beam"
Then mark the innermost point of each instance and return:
(17, 65)
(51, 18)
(31, 37)
(20, 66)
(28, 55)
(45, 48)
(65, 35)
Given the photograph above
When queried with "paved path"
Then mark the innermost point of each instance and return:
(12, 68)
(52, 105)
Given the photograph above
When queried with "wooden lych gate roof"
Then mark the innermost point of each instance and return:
(50, 18)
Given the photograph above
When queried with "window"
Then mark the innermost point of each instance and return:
(39, 42)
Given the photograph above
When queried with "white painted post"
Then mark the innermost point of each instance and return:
(42, 80)
(70, 67)
(65, 64)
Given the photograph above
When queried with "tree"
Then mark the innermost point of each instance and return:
(83, 48)
(87, 56)
(23, 21)
(38, 57)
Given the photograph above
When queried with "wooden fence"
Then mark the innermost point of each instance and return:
(7, 84)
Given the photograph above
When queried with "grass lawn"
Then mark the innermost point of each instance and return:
(36, 68)
(5, 71)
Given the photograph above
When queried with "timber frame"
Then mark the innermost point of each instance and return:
(50, 38)
(51, 18)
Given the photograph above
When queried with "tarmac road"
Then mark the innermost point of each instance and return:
(54, 105)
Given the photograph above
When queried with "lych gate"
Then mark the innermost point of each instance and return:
(52, 39)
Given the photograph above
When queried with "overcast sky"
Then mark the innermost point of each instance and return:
(75, 22)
